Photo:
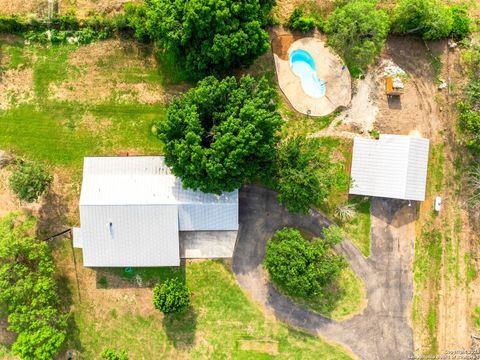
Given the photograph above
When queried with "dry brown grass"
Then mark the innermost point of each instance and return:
(99, 67)
(81, 8)
(16, 87)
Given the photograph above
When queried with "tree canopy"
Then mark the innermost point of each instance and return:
(28, 293)
(210, 36)
(221, 134)
(430, 18)
(357, 31)
(303, 267)
(305, 173)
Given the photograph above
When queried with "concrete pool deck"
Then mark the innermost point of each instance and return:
(329, 68)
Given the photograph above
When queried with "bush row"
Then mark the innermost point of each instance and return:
(431, 19)
(469, 108)
(62, 28)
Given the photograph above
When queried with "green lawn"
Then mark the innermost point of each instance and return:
(358, 227)
(222, 320)
(54, 131)
(342, 300)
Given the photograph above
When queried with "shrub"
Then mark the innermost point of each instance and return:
(210, 37)
(357, 31)
(460, 22)
(172, 296)
(221, 134)
(469, 121)
(110, 354)
(345, 212)
(136, 16)
(28, 293)
(298, 21)
(431, 19)
(12, 25)
(301, 267)
(29, 181)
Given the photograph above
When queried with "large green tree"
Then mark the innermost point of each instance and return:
(28, 293)
(304, 267)
(430, 18)
(221, 134)
(210, 36)
(357, 31)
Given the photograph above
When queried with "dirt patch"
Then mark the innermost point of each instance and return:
(285, 7)
(264, 346)
(417, 108)
(81, 8)
(282, 40)
(360, 117)
(16, 87)
(94, 124)
(102, 66)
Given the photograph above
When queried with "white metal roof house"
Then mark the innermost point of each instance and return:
(133, 212)
(394, 166)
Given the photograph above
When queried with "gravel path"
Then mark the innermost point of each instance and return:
(382, 330)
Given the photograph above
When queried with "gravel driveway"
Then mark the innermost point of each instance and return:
(382, 331)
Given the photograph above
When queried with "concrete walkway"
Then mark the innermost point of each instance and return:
(382, 331)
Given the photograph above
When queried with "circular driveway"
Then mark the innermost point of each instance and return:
(382, 331)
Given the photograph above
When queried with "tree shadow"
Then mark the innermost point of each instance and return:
(72, 344)
(181, 328)
(127, 278)
(52, 215)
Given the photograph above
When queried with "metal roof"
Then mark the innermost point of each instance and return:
(132, 209)
(139, 180)
(394, 166)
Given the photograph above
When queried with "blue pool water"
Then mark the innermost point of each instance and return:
(303, 65)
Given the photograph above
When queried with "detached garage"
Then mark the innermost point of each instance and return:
(394, 166)
(134, 212)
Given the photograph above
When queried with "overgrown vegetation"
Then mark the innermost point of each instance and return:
(110, 354)
(357, 31)
(431, 19)
(210, 37)
(29, 180)
(67, 28)
(28, 292)
(357, 225)
(221, 134)
(172, 296)
(305, 173)
(301, 21)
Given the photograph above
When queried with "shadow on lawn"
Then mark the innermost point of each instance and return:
(72, 342)
(52, 215)
(181, 328)
(126, 278)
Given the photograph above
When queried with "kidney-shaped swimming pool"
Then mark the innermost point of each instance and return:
(303, 65)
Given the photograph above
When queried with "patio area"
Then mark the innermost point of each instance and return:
(329, 69)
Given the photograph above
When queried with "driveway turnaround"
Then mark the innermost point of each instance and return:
(382, 331)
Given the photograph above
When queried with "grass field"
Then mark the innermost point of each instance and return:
(223, 322)
(61, 128)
